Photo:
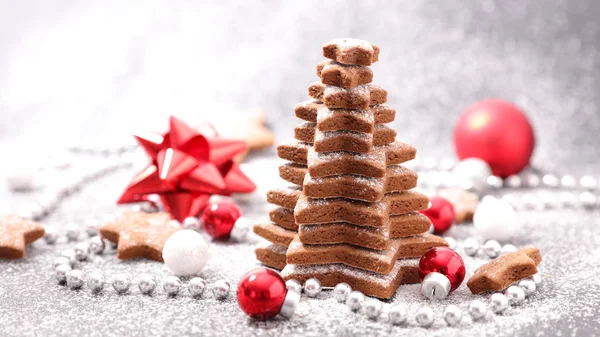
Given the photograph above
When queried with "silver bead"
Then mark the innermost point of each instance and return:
(293, 285)
(549, 200)
(588, 182)
(531, 202)
(513, 181)
(498, 303)
(146, 284)
(528, 286)
(69, 254)
(451, 242)
(515, 294)
(60, 273)
(172, 285)
(61, 260)
(588, 200)
(75, 279)
(372, 308)
(471, 246)
(494, 182)
(425, 317)
(221, 290)
(50, 235)
(355, 300)
(97, 245)
(312, 287)
(435, 286)
(550, 180)
(121, 283)
(82, 251)
(72, 231)
(492, 248)
(290, 302)
(397, 314)
(191, 222)
(568, 181)
(477, 309)
(508, 248)
(240, 229)
(532, 180)
(91, 227)
(567, 199)
(196, 286)
(537, 279)
(95, 281)
(452, 315)
(341, 292)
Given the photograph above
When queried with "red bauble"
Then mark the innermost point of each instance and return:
(445, 261)
(261, 293)
(218, 218)
(497, 132)
(441, 214)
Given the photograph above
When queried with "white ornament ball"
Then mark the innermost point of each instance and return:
(495, 219)
(473, 170)
(185, 253)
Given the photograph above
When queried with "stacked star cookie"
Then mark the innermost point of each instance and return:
(351, 216)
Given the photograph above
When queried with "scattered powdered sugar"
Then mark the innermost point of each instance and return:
(277, 249)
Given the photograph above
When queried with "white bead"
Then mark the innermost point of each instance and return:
(312, 287)
(494, 182)
(550, 180)
(293, 285)
(146, 284)
(568, 181)
(69, 254)
(372, 308)
(91, 227)
(532, 180)
(515, 294)
(425, 317)
(240, 229)
(567, 199)
(191, 222)
(75, 279)
(196, 286)
(452, 315)
(341, 292)
(513, 181)
(61, 260)
(185, 253)
(492, 248)
(397, 314)
(495, 219)
(72, 231)
(220, 290)
(429, 163)
(588, 182)
(588, 200)
(50, 235)
(498, 303)
(451, 242)
(537, 279)
(121, 283)
(531, 202)
(95, 281)
(508, 249)
(549, 200)
(355, 300)
(528, 286)
(471, 246)
(23, 180)
(60, 273)
(82, 251)
(477, 309)
(475, 171)
(172, 285)
(96, 245)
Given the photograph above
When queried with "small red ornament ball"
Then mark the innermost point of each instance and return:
(497, 132)
(218, 218)
(445, 261)
(261, 293)
(441, 214)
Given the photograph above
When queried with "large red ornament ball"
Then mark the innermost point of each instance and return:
(219, 217)
(441, 214)
(497, 132)
(261, 293)
(445, 261)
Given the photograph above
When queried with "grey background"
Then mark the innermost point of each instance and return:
(93, 72)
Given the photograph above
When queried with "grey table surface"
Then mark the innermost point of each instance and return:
(94, 72)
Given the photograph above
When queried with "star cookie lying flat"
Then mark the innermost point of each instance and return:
(505, 270)
(15, 234)
(140, 234)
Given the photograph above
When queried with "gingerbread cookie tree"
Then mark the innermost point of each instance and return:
(352, 216)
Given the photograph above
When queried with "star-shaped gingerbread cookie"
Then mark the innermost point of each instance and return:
(505, 270)
(464, 202)
(140, 234)
(15, 234)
